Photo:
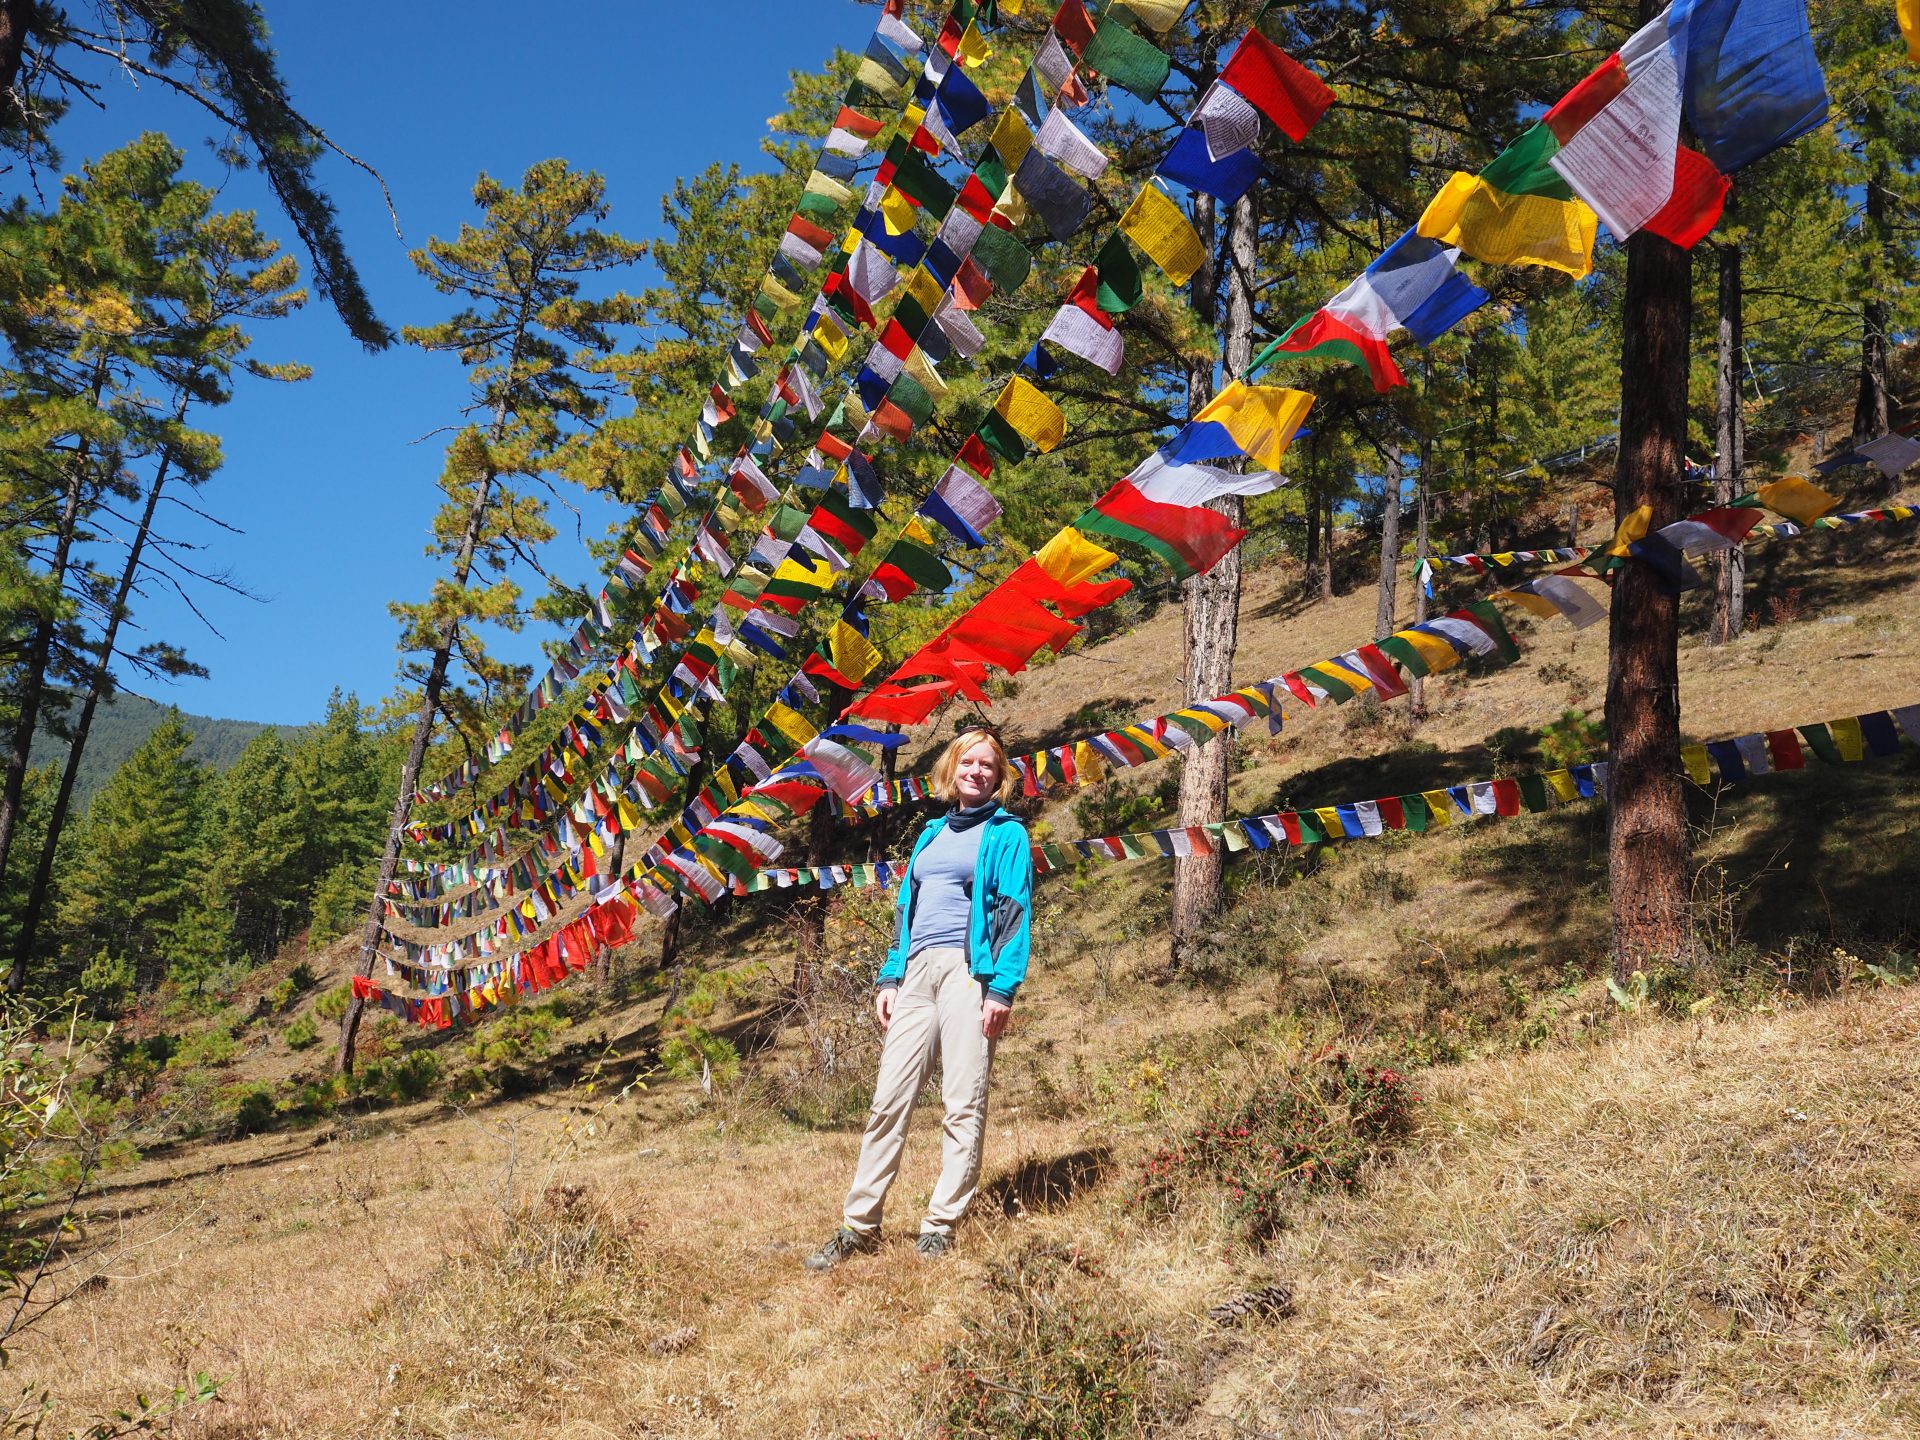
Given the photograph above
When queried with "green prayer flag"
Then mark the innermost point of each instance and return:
(912, 315)
(1821, 743)
(1533, 792)
(1130, 844)
(912, 397)
(919, 565)
(991, 172)
(819, 207)
(1310, 831)
(1406, 654)
(1414, 807)
(1485, 612)
(1127, 60)
(915, 177)
(1004, 259)
(1001, 438)
(1119, 289)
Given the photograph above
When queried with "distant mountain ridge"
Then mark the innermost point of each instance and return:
(121, 726)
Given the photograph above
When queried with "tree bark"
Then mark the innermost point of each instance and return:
(1385, 609)
(96, 687)
(1730, 566)
(1870, 413)
(410, 774)
(1213, 599)
(16, 23)
(1326, 545)
(1647, 825)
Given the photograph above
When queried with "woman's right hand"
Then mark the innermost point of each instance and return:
(883, 1005)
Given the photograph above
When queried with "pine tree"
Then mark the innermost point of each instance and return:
(528, 335)
(134, 891)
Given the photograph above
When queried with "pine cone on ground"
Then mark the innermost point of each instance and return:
(674, 1341)
(1275, 1301)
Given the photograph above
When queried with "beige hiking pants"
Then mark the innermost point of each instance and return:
(935, 1014)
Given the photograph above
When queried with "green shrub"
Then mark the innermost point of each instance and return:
(107, 981)
(691, 1052)
(206, 1048)
(1114, 808)
(248, 1108)
(1312, 1126)
(1573, 739)
(412, 1076)
(333, 1004)
(301, 1033)
(520, 1034)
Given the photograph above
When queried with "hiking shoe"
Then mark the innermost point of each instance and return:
(839, 1246)
(933, 1244)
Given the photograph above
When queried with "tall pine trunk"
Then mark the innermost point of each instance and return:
(1730, 566)
(1389, 548)
(410, 771)
(96, 687)
(1213, 599)
(1870, 412)
(1647, 822)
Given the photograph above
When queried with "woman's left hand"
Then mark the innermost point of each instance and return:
(993, 1017)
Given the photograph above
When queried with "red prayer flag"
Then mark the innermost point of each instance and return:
(1699, 192)
(1277, 85)
(1195, 535)
(976, 457)
(1074, 26)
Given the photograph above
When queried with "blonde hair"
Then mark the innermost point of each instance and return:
(948, 765)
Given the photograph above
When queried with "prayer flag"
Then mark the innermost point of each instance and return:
(1187, 539)
(1169, 482)
(1280, 87)
(1192, 163)
(1518, 210)
(1155, 223)
(1092, 338)
(1032, 414)
(1125, 58)
(1260, 419)
(1796, 498)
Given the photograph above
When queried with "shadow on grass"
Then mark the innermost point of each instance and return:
(1035, 1186)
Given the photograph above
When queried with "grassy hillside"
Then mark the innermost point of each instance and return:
(1458, 1189)
(122, 725)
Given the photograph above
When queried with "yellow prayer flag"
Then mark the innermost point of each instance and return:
(1909, 13)
(1527, 600)
(1330, 822)
(778, 293)
(821, 183)
(973, 49)
(1502, 229)
(916, 529)
(831, 338)
(1633, 528)
(1261, 418)
(1232, 836)
(810, 571)
(1797, 499)
(1847, 738)
(1352, 679)
(851, 652)
(1439, 808)
(875, 76)
(1205, 717)
(898, 211)
(1562, 784)
(1157, 225)
(1699, 769)
(1089, 762)
(923, 287)
(1155, 15)
(1142, 737)
(790, 723)
(1011, 139)
(1030, 412)
(919, 367)
(1070, 557)
(625, 811)
(1438, 654)
(1012, 7)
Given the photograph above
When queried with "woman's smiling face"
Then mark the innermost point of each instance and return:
(977, 775)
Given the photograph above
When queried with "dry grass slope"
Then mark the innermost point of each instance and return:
(1605, 1223)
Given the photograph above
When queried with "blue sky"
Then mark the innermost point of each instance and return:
(332, 479)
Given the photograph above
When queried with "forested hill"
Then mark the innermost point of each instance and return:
(122, 724)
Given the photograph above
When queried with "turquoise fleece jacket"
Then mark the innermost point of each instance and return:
(1000, 932)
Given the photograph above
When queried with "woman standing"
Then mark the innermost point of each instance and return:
(945, 991)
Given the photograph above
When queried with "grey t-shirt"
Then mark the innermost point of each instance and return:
(942, 883)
